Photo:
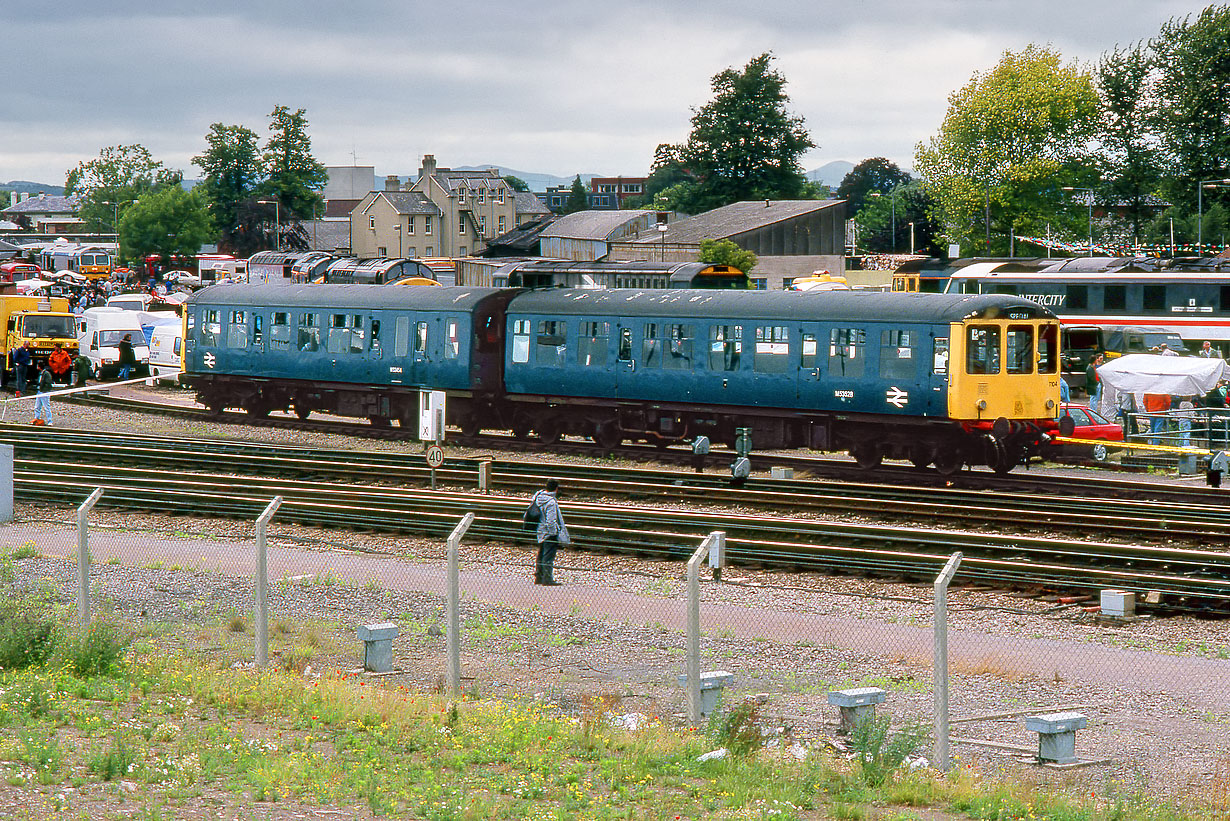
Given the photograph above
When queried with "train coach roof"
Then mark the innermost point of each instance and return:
(817, 305)
(341, 296)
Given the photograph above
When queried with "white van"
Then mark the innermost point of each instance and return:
(130, 302)
(165, 348)
(99, 333)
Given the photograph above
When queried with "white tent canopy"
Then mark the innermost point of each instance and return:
(1140, 373)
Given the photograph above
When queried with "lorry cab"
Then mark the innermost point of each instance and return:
(41, 321)
(100, 332)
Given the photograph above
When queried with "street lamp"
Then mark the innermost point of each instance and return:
(662, 228)
(1200, 209)
(277, 217)
(115, 221)
(893, 242)
(1089, 191)
(1172, 237)
(911, 239)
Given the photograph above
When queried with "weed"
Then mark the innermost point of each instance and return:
(28, 633)
(735, 728)
(96, 650)
(26, 551)
(114, 762)
(43, 753)
(877, 754)
(238, 623)
(297, 659)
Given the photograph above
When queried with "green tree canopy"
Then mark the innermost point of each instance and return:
(1012, 138)
(1129, 157)
(578, 198)
(112, 180)
(292, 175)
(744, 144)
(874, 175)
(231, 164)
(725, 252)
(516, 183)
(170, 222)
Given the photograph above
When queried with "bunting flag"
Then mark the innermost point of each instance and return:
(1082, 248)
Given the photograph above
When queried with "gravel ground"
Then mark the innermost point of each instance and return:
(1172, 742)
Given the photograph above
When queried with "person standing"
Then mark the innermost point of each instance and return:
(59, 363)
(1093, 382)
(551, 533)
(81, 370)
(42, 400)
(1208, 351)
(128, 357)
(21, 365)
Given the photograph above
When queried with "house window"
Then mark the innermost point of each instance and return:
(461, 195)
(461, 223)
(382, 251)
(501, 196)
(482, 225)
(555, 202)
(410, 225)
(430, 250)
(632, 188)
(427, 226)
(371, 223)
(482, 195)
(606, 189)
(501, 224)
(462, 250)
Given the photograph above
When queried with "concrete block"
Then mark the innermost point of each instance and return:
(1057, 735)
(711, 685)
(378, 646)
(6, 483)
(857, 705)
(1118, 603)
(781, 473)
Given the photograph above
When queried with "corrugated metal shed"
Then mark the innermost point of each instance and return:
(598, 225)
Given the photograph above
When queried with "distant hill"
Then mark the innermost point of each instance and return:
(27, 187)
(831, 173)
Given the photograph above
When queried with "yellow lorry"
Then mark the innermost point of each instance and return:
(44, 323)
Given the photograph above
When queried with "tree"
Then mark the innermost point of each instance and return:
(578, 198)
(744, 145)
(667, 172)
(1129, 151)
(877, 175)
(119, 175)
(170, 222)
(725, 252)
(293, 176)
(878, 218)
(1011, 139)
(516, 183)
(231, 164)
(1193, 109)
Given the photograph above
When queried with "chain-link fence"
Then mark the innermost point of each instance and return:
(1101, 697)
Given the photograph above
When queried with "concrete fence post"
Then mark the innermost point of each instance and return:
(262, 582)
(693, 649)
(83, 556)
(6, 483)
(453, 605)
(942, 761)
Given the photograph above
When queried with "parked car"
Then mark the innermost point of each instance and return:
(1089, 425)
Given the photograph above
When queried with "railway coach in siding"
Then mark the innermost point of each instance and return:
(351, 350)
(940, 379)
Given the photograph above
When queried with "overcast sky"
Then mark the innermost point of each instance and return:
(552, 86)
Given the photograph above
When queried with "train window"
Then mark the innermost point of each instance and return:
(846, 351)
(355, 325)
(1048, 349)
(552, 343)
(772, 349)
(258, 330)
(897, 355)
(808, 358)
(375, 334)
(1225, 297)
(1020, 341)
(1078, 297)
(452, 345)
(679, 348)
(1153, 298)
(279, 331)
(970, 286)
(309, 332)
(725, 347)
(420, 337)
(338, 339)
(1114, 297)
(651, 347)
(625, 344)
(982, 349)
(211, 328)
(939, 356)
(592, 343)
(521, 341)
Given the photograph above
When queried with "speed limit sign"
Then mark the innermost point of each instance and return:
(435, 456)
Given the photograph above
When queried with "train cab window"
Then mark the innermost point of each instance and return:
(1114, 297)
(847, 349)
(211, 327)
(420, 337)
(897, 355)
(772, 349)
(982, 349)
(521, 341)
(625, 344)
(258, 330)
(1048, 349)
(678, 354)
(552, 347)
(939, 356)
(651, 347)
(592, 343)
(309, 332)
(452, 345)
(1078, 297)
(725, 347)
(279, 331)
(1020, 351)
(808, 358)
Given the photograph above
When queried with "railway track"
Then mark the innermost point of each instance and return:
(332, 489)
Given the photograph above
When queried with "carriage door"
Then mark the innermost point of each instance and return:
(625, 359)
(809, 362)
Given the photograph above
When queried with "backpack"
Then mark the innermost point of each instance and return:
(532, 515)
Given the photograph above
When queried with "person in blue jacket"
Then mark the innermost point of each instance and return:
(551, 533)
(21, 365)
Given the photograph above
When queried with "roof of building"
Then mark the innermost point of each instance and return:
(408, 202)
(737, 218)
(327, 235)
(523, 238)
(451, 180)
(594, 225)
(340, 208)
(44, 204)
(528, 202)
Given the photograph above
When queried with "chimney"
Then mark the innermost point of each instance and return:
(429, 166)
(392, 182)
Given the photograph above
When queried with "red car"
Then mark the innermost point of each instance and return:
(1089, 425)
